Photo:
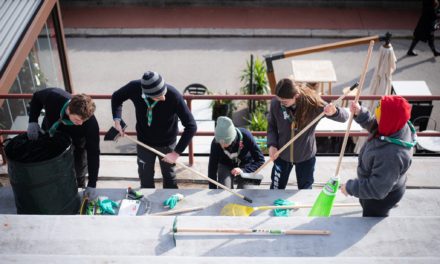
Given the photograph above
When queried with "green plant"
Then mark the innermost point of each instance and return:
(258, 122)
(256, 72)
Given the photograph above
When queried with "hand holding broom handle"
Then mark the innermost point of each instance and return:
(338, 101)
(190, 169)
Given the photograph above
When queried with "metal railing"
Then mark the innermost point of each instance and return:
(190, 98)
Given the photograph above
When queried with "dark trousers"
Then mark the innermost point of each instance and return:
(225, 177)
(304, 173)
(381, 208)
(80, 158)
(146, 160)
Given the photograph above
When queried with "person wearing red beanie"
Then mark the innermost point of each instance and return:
(385, 158)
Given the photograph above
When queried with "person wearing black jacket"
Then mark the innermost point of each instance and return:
(72, 115)
(426, 26)
(158, 106)
(233, 152)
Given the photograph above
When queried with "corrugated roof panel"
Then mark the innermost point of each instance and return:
(15, 17)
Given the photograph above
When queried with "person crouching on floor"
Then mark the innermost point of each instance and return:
(385, 158)
(233, 152)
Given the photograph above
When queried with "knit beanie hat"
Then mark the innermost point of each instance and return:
(395, 112)
(225, 132)
(285, 89)
(153, 85)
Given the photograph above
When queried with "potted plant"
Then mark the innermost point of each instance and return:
(255, 82)
(222, 107)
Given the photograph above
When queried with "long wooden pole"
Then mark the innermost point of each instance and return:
(190, 169)
(350, 120)
(251, 231)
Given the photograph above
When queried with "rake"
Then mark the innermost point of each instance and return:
(176, 229)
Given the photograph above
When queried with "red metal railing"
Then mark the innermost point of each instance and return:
(190, 98)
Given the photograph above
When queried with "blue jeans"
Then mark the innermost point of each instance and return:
(304, 173)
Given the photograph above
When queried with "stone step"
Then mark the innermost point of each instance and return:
(350, 237)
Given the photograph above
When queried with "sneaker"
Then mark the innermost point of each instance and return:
(411, 53)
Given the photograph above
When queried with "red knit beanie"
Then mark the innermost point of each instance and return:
(395, 112)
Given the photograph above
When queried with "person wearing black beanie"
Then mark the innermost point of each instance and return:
(158, 107)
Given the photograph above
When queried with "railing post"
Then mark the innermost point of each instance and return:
(190, 146)
(2, 150)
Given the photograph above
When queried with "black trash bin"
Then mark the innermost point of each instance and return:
(42, 174)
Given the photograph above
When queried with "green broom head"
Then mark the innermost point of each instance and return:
(324, 203)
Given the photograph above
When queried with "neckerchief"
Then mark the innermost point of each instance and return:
(149, 110)
(288, 115)
(400, 142)
(234, 155)
(66, 122)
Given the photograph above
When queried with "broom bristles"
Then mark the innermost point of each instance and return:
(324, 203)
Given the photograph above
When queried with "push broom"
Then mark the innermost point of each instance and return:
(324, 203)
(113, 134)
(337, 102)
(242, 210)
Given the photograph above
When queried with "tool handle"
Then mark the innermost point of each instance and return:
(350, 120)
(338, 101)
(298, 206)
(184, 210)
(253, 231)
(190, 169)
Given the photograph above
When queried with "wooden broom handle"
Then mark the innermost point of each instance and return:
(188, 168)
(298, 206)
(350, 120)
(247, 231)
(184, 210)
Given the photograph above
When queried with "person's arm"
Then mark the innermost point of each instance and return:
(213, 163)
(256, 153)
(362, 116)
(93, 151)
(36, 105)
(339, 115)
(384, 174)
(189, 124)
(119, 97)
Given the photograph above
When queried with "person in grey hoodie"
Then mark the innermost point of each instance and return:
(293, 108)
(385, 158)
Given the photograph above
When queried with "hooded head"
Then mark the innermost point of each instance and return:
(392, 114)
(225, 132)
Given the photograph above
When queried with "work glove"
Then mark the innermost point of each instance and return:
(172, 201)
(107, 205)
(32, 131)
(90, 192)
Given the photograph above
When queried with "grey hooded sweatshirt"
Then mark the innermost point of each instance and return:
(280, 131)
(382, 165)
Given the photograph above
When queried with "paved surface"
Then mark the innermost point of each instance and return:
(214, 200)
(150, 236)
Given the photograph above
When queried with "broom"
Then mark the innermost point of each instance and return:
(324, 203)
